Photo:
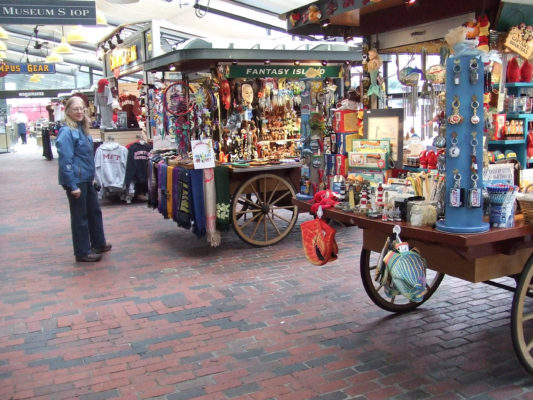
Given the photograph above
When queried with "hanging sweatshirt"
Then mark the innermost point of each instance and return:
(136, 165)
(110, 161)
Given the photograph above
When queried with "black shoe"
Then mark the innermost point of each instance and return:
(89, 257)
(104, 249)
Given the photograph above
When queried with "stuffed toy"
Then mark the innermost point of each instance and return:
(483, 36)
(324, 198)
(294, 18)
(513, 71)
(313, 14)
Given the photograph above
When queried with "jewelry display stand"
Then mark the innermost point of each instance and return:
(464, 146)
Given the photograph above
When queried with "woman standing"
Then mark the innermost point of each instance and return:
(76, 175)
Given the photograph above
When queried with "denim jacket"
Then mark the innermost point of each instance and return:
(76, 157)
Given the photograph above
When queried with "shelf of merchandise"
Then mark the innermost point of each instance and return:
(517, 145)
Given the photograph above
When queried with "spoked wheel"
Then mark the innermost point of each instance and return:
(262, 213)
(522, 317)
(376, 291)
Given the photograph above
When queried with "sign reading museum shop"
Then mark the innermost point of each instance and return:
(46, 12)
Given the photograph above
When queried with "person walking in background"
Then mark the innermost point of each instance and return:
(76, 175)
(21, 120)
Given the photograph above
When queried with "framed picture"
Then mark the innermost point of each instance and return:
(386, 124)
(122, 119)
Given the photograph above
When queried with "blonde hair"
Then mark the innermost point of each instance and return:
(74, 124)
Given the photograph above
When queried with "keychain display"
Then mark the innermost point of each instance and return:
(475, 105)
(464, 179)
(454, 150)
(474, 193)
(455, 118)
(457, 193)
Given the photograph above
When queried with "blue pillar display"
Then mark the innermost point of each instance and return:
(464, 101)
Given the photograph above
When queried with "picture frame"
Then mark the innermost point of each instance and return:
(122, 119)
(386, 124)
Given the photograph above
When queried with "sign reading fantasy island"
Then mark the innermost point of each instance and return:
(46, 12)
(283, 71)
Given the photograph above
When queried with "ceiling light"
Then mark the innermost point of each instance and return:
(410, 2)
(54, 58)
(3, 34)
(297, 63)
(3, 46)
(267, 62)
(36, 78)
(234, 62)
(172, 67)
(76, 36)
(324, 63)
(325, 23)
(100, 18)
(63, 47)
(111, 44)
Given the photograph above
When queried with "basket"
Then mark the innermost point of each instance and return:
(526, 204)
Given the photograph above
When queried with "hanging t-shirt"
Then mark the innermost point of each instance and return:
(130, 104)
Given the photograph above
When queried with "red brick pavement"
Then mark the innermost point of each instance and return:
(165, 316)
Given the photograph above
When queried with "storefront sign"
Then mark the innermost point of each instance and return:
(31, 68)
(520, 40)
(46, 12)
(283, 71)
(13, 94)
(125, 58)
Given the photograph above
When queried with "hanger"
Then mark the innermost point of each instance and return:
(110, 138)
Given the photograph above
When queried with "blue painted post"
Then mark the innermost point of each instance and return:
(464, 87)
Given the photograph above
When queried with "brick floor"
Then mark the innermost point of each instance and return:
(165, 316)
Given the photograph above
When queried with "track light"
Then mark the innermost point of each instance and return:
(267, 62)
(119, 39)
(37, 45)
(324, 63)
(111, 44)
(297, 63)
(104, 48)
(234, 62)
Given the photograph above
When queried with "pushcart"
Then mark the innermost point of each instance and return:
(480, 257)
(262, 213)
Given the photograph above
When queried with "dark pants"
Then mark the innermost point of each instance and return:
(23, 137)
(86, 220)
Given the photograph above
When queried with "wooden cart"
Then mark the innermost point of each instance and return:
(481, 257)
(261, 210)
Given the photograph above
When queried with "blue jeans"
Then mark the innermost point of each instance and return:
(86, 220)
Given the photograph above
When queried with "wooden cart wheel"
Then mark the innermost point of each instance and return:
(376, 291)
(522, 317)
(262, 213)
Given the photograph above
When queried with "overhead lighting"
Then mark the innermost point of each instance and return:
(3, 34)
(325, 23)
(297, 63)
(36, 78)
(111, 44)
(267, 62)
(172, 67)
(76, 36)
(119, 39)
(3, 46)
(234, 62)
(324, 63)
(54, 59)
(101, 20)
(410, 2)
(63, 47)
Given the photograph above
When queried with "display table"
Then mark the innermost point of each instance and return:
(478, 257)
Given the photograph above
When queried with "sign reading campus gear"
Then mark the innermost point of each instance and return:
(37, 68)
(46, 12)
(283, 71)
